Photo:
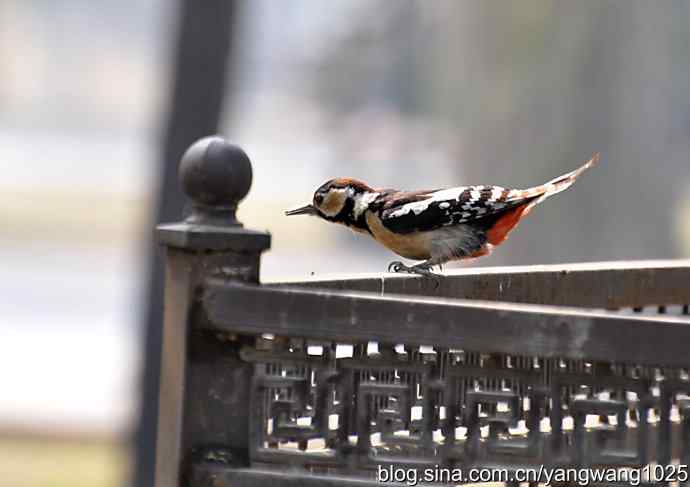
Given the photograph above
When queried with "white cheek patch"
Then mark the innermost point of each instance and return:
(334, 202)
(362, 203)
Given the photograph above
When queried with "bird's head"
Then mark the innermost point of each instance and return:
(334, 199)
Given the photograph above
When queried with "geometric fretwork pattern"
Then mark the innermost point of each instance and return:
(330, 407)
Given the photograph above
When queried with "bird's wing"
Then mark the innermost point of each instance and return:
(406, 212)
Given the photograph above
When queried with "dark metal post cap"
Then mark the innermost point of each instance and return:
(216, 176)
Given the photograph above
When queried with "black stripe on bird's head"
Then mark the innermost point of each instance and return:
(333, 199)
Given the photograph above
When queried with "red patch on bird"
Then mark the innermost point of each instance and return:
(499, 232)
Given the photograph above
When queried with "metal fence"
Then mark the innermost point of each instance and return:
(334, 382)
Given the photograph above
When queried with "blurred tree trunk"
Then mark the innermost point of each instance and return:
(203, 49)
(535, 87)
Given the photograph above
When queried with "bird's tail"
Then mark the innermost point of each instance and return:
(523, 200)
(537, 194)
(558, 184)
(566, 180)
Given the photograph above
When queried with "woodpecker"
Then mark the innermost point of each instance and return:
(435, 226)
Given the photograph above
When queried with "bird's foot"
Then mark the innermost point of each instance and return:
(422, 269)
(397, 266)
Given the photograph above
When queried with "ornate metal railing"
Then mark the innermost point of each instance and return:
(326, 382)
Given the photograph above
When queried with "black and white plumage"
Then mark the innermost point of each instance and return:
(434, 225)
(429, 210)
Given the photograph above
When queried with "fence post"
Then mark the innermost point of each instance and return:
(203, 412)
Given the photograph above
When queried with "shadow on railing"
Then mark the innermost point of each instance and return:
(330, 382)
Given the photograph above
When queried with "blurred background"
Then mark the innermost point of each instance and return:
(99, 99)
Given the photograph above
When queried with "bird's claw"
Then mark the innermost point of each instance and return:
(397, 266)
(419, 269)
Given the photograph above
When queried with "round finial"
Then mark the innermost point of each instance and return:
(215, 174)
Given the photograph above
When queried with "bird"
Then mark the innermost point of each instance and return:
(432, 226)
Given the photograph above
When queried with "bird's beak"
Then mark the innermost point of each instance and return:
(305, 210)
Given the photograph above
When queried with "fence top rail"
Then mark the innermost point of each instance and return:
(530, 330)
(616, 284)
